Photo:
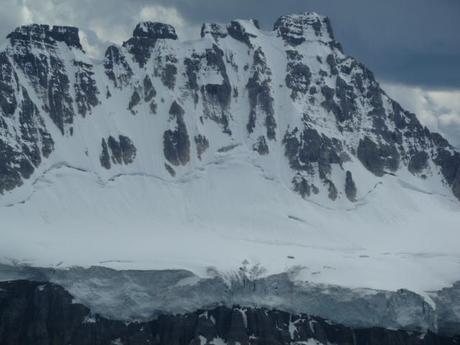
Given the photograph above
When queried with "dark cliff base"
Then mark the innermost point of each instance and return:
(43, 313)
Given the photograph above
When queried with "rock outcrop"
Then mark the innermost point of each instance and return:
(44, 313)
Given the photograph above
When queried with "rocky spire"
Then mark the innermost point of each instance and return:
(155, 30)
(297, 28)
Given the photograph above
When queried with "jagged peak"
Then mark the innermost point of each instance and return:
(213, 29)
(243, 30)
(155, 30)
(297, 28)
(47, 34)
(239, 29)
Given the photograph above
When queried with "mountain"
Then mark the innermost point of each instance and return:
(250, 150)
(291, 96)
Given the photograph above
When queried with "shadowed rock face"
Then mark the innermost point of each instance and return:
(44, 313)
(376, 158)
(121, 151)
(202, 144)
(47, 34)
(350, 187)
(176, 142)
(116, 67)
(294, 29)
(155, 30)
(260, 97)
(145, 36)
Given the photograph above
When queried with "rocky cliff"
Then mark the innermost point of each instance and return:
(43, 313)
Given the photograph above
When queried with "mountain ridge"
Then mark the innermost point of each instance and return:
(268, 146)
(304, 148)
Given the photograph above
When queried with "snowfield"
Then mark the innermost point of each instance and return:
(396, 236)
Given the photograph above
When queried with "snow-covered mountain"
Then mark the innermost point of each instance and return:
(271, 148)
(303, 111)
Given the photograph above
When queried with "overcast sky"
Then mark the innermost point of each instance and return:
(413, 46)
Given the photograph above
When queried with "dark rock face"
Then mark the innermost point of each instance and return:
(447, 302)
(18, 162)
(35, 52)
(294, 28)
(170, 170)
(377, 157)
(346, 96)
(47, 34)
(192, 67)
(128, 150)
(105, 157)
(59, 101)
(216, 97)
(331, 61)
(144, 92)
(450, 166)
(418, 162)
(134, 101)
(307, 150)
(350, 187)
(301, 186)
(307, 147)
(456, 185)
(344, 108)
(298, 76)
(9, 176)
(116, 67)
(145, 36)
(86, 92)
(215, 30)
(149, 90)
(155, 30)
(202, 144)
(332, 190)
(49, 79)
(44, 313)
(168, 71)
(260, 98)
(140, 48)
(8, 78)
(121, 151)
(33, 131)
(176, 142)
(237, 31)
(261, 146)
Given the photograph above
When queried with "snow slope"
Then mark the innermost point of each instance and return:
(242, 146)
(387, 241)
